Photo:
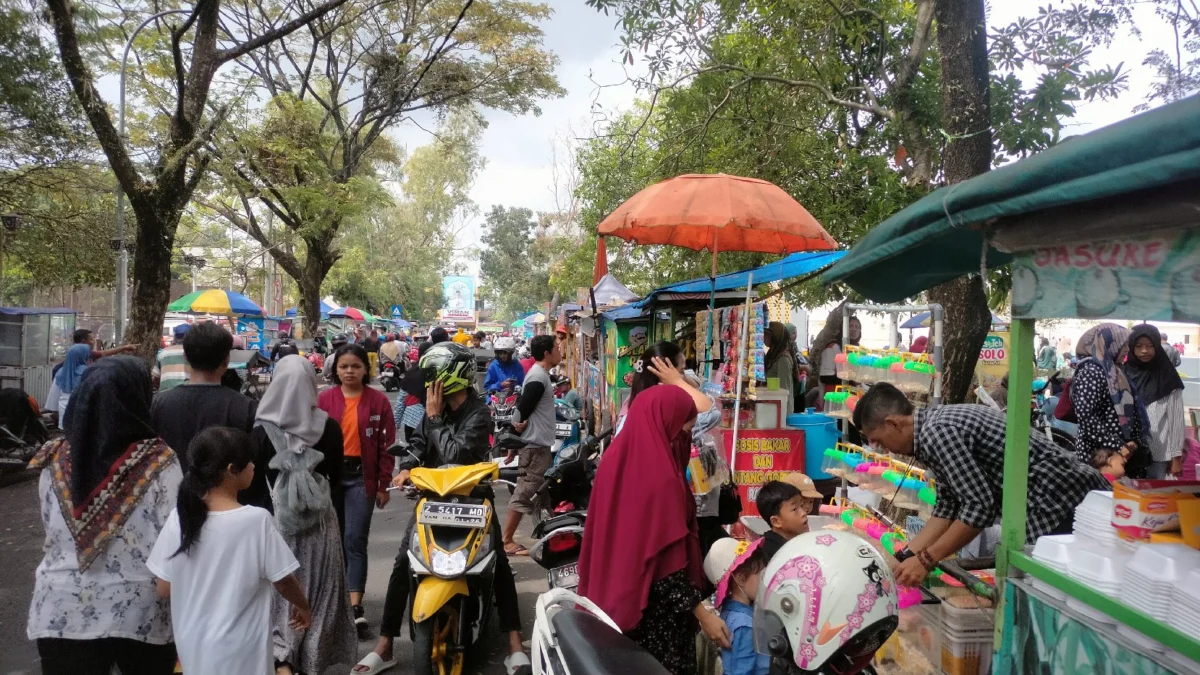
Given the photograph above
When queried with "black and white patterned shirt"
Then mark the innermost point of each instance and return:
(964, 447)
(1099, 426)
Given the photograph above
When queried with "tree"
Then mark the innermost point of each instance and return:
(843, 92)
(399, 254)
(160, 189)
(514, 275)
(351, 80)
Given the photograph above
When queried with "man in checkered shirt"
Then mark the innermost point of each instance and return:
(964, 447)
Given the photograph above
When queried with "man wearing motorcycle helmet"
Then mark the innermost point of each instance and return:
(336, 342)
(503, 372)
(826, 603)
(455, 430)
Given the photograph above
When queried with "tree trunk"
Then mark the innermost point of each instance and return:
(319, 259)
(966, 117)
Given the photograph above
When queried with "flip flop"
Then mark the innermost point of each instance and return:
(374, 663)
(517, 664)
(517, 550)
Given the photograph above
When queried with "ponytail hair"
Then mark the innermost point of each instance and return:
(210, 455)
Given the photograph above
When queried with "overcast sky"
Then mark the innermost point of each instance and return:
(519, 149)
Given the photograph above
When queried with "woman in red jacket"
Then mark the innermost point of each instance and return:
(368, 430)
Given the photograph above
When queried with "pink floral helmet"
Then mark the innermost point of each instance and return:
(827, 602)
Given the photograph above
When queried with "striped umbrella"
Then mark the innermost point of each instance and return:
(352, 313)
(216, 301)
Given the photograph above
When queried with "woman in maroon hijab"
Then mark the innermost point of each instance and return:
(641, 552)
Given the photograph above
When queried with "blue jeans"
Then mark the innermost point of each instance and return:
(359, 508)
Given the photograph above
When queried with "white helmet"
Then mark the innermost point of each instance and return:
(505, 344)
(827, 602)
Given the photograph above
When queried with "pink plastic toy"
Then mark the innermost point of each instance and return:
(908, 596)
(830, 510)
(876, 530)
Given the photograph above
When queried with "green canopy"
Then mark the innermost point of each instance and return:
(940, 238)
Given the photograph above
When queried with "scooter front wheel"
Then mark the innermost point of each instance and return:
(434, 648)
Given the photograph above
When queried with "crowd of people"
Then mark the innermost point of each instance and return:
(199, 524)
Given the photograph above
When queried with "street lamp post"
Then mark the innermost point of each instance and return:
(122, 308)
(196, 264)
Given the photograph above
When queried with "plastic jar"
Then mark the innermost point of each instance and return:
(841, 366)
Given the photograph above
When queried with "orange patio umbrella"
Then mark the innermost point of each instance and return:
(718, 212)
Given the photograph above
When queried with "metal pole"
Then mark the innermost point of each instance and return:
(193, 277)
(122, 308)
(741, 366)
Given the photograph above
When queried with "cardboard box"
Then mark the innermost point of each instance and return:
(1143, 507)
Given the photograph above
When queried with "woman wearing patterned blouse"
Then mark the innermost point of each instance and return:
(106, 490)
(1111, 418)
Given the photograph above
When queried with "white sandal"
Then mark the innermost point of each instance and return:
(514, 663)
(374, 663)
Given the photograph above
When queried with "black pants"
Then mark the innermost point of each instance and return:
(97, 657)
(395, 604)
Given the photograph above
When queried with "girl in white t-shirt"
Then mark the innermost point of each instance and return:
(217, 560)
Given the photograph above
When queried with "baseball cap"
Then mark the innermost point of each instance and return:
(181, 329)
(804, 484)
(561, 329)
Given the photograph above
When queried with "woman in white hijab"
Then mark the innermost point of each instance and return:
(299, 464)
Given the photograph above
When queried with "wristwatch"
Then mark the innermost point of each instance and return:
(435, 419)
(903, 554)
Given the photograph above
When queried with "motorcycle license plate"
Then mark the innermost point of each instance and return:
(453, 515)
(563, 430)
(566, 576)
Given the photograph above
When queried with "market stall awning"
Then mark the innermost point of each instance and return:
(794, 265)
(940, 238)
(326, 308)
(925, 320)
(610, 291)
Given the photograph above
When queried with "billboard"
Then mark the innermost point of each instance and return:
(458, 298)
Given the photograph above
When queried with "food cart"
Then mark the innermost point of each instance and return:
(32, 340)
(1104, 227)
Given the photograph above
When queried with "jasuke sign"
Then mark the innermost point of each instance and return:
(1153, 278)
(763, 456)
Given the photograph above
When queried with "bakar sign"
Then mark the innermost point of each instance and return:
(1154, 279)
(763, 456)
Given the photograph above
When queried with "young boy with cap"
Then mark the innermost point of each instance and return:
(808, 490)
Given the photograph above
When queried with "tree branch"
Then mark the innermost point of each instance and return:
(62, 16)
(282, 31)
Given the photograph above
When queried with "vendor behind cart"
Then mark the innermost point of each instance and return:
(964, 446)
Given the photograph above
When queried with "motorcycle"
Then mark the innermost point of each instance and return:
(563, 500)
(453, 565)
(22, 430)
(572, 636)
(389, 376)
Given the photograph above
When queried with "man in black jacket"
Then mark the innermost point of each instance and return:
(455, 430)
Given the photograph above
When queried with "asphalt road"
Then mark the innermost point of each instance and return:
(21, 538)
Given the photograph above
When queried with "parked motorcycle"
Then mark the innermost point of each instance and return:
(453, 565)
(572, 636)
(563, 500)
(22, 430)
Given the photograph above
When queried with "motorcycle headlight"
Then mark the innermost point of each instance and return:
(449, 564)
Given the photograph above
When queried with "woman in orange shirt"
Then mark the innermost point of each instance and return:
(368, 430)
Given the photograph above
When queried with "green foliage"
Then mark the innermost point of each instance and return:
(838, 103)
(399, 254)
(365, 68)
(512, 265)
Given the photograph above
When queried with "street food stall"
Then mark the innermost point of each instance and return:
(1104, 227)
(32, 340)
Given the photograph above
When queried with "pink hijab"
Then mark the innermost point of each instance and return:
(641, 524)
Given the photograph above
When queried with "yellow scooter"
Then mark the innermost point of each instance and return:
(453, 564)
